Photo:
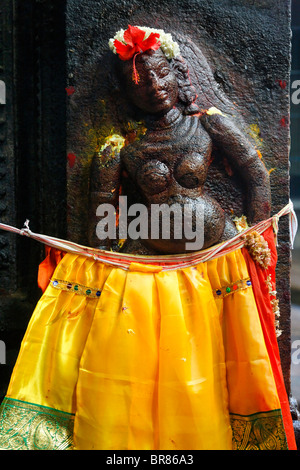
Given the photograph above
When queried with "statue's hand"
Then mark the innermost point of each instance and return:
(214, 122)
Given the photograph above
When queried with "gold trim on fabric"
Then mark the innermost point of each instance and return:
(80, 289)
(26, 426)
(232, 288)
(260, 431)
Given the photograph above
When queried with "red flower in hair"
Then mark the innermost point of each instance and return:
(135, 43)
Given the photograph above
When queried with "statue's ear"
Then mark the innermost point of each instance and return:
(187, 94)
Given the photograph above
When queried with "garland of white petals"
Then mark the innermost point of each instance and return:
(168, 46)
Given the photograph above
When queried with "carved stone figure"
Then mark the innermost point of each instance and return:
(170, 162)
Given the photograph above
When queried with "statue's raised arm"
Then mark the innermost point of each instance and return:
(242, 156)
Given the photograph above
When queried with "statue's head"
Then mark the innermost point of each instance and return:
(144, 54)
(156, 90)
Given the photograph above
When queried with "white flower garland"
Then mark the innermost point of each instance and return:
(168, 46)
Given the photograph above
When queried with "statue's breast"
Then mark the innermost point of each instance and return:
(153, 177)
(170, 158)
(189, 170)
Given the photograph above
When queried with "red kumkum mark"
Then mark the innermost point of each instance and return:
(282, 83)
(284, 122)
(71, 159)
(70, 90)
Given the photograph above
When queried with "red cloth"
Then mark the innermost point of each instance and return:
(258, 277)
(47, 267)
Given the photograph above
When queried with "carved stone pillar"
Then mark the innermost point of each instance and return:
(247, 45)
(7, 180)
(7, 150)
(32, 155)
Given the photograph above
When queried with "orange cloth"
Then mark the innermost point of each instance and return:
(263, 302)
(48, 266)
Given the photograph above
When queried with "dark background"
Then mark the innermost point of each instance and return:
(32, 155)
(295, 196)
(295, 109)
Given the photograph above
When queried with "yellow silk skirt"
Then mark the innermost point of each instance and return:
(144, 359)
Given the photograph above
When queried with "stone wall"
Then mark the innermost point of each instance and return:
(60, 104)
(247, 46)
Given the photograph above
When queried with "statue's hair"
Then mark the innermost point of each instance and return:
(187, 94)
(200, 86)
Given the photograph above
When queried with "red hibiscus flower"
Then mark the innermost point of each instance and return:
(135, 43)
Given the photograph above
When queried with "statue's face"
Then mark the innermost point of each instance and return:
(157, 89)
